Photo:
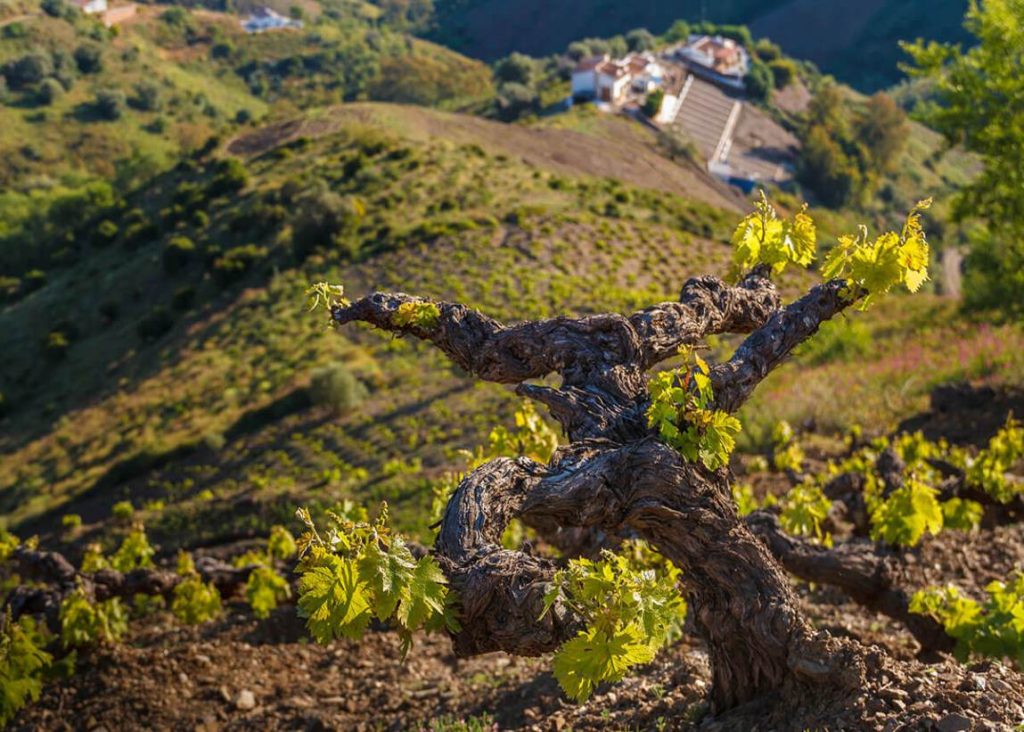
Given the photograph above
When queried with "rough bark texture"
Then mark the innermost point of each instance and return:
(615, 477)
(873, 579)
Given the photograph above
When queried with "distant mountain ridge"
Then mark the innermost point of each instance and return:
(856, 42)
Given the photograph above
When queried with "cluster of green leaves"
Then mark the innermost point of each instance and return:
(421, 315)
(906, 514)
(787, 453)
(804, 508)
(194, 601)
(84, 622)
(994, 628)
(632, 607)
(23, 663)
(532, 437)
(892, 259)
(265, 588)
(354, 571)
(682, 412)
(764, 238)
(990, 469)
(8, 543)
(743, 495)
(327, 296)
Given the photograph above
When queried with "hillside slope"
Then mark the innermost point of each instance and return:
(855, 42)
(178, 352)
(174, 371)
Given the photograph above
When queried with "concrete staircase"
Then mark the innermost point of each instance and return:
(707, 116)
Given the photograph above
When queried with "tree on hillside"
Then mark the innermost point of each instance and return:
(515, 68)
(516, 100)
(978, 102)
(89, 58)
(882, 129)
(759, 81)
(678, 32)
(578, 50)
(28, 70)
(827, 169)
(640, 39)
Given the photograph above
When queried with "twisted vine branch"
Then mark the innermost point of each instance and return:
(615, 475)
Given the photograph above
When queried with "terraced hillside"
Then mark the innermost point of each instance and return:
(186, 351)
(173, 371)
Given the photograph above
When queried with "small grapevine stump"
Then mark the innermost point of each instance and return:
(616, 476)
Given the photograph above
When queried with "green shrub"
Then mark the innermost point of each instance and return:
(178, 253)
(155, 324)
(759, 81)
(323, 218)
(146, 97)
(106, 232)
(110, 103)
(783, 71)
(54, 8)
(767, 51)
(56, 345)
(89, 58)
(334, 386)
(50, 91)
(231, 176)
(652, 105)
(235, 262)
(224, 49)
(30, 69)
(122, 510)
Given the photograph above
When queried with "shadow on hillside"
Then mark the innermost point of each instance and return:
(130, 477)
(966, 414)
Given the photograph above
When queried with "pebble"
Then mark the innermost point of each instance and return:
(246, 700)
(979, 682)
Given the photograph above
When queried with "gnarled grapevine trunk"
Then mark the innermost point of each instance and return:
(615, 475)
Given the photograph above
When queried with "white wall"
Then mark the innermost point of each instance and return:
(584, 84)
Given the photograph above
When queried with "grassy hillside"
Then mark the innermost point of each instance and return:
(178, 377)
(856, 43)
(88, 112)
(151, 354)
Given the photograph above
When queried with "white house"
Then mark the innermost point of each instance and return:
(719, 59)
(584, 77)
(607, 80)
(647, 74)
(266, 19)
(91, 6)
(611, 79)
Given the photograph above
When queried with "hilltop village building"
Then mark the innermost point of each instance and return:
(90, 6)
(608, 80)
(720, 60)
(267, 19)
(702, 85)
